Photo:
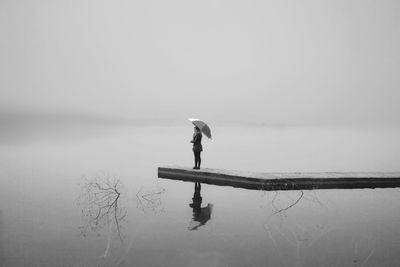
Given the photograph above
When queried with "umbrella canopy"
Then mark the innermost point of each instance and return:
(204, 128)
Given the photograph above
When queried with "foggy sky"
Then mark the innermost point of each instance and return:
(271, 61)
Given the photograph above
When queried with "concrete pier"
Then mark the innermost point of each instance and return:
(282, 181)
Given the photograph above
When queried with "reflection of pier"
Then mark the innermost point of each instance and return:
(283, 181)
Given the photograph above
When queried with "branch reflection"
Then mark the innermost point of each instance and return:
(99, 202)
(292, 237)
(149, 198)
(289, 206)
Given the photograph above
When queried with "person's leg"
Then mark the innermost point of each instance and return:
(195, 160)
(198, 161)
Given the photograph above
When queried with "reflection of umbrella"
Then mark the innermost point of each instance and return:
(200, 216)
(202, 126)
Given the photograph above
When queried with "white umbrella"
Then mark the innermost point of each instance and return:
(204, 128)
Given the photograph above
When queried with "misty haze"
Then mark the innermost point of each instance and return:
(95, 98)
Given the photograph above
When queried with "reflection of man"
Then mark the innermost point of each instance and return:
(200, 215)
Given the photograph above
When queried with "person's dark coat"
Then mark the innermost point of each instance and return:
(197, 147)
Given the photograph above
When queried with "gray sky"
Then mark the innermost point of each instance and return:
(273, 61)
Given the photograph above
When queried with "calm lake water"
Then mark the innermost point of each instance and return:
(94, 199)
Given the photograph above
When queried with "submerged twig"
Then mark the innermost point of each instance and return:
(99, 201)
(288, 207)
(361, 262)
(150, 198)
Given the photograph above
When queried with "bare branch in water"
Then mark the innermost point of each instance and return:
(99, 203)
(273, 201)
(293, 204)
(360, 262)
(150, 198)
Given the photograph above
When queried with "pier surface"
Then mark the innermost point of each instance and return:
(282, 181)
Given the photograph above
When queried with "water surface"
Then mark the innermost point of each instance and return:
(49, 200)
